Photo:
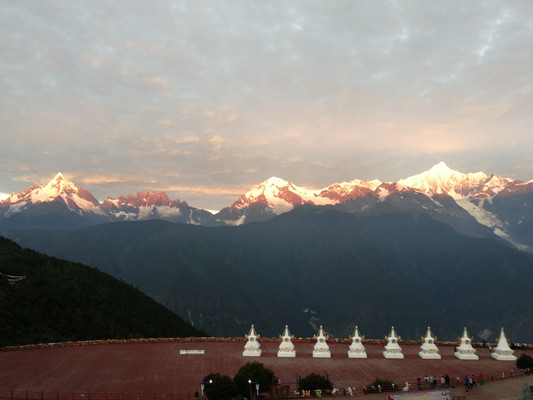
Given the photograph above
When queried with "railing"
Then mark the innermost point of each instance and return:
(27, 395)
(353, 391)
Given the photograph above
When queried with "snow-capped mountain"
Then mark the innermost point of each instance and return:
(61, 204)
(276, 196)
(58, 204)
(465, 201)
(475, 204)
(58, 189)
(440, 179)
(155, 205)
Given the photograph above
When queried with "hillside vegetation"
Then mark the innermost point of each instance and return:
(62, 301)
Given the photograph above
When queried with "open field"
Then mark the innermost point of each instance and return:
(159, 368)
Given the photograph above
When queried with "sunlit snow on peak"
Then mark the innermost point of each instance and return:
(440, 179)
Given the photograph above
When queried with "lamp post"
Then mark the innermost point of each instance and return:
(256, 388)
(203, 386)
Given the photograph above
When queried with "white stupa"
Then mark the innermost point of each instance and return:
(392, 349)
(503, 352)
(321, 349)
(286, 347)
(465, 351)
(252, 346)
(357, 350)
(429, 350)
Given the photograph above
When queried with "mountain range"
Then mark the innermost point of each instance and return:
(440, 248)
(475, 204)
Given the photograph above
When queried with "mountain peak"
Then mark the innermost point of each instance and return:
(59, 176)
(275, 181)
(441, 168)
(58, 189)
(440, 179)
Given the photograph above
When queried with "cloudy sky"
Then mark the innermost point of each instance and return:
(203, 99)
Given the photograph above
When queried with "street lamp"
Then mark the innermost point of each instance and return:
(256, 388)
(203, 386)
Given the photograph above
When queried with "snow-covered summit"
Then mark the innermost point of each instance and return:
(440, 179)
(275, 193)
(58, 189)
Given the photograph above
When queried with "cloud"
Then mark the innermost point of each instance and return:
(107, 91)
(157, 80)
(100, 180)
(94, 60)
(235, 191)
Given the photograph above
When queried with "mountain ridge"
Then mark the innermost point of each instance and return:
(474, 192)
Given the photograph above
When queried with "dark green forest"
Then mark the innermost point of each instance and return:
(63, 301)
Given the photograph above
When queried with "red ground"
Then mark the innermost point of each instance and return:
(159, 367)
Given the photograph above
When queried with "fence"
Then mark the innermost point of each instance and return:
(353, 391)
(27, 395)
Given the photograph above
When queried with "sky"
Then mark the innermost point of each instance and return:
(204, 99)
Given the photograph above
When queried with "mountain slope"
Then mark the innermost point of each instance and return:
(314, 265)
(61, 301)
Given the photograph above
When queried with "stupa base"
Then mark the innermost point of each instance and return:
(429, 356)
(286, 354)
(503, 357)
(462, 356)
(251, 353)
(393, 355)
(354, 354)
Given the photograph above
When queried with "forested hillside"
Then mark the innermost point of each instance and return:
(61, 301)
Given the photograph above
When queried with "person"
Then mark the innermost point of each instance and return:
(467, 383)
(447, 380)
(426, 379)
(481, 379)
(474, 381)
(442, 381)
(434, 382)
(419, 383)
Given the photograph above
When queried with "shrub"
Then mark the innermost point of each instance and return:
(524, 362)
(315, 381)
(386, 386)
(255, 372)
(222, 387)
